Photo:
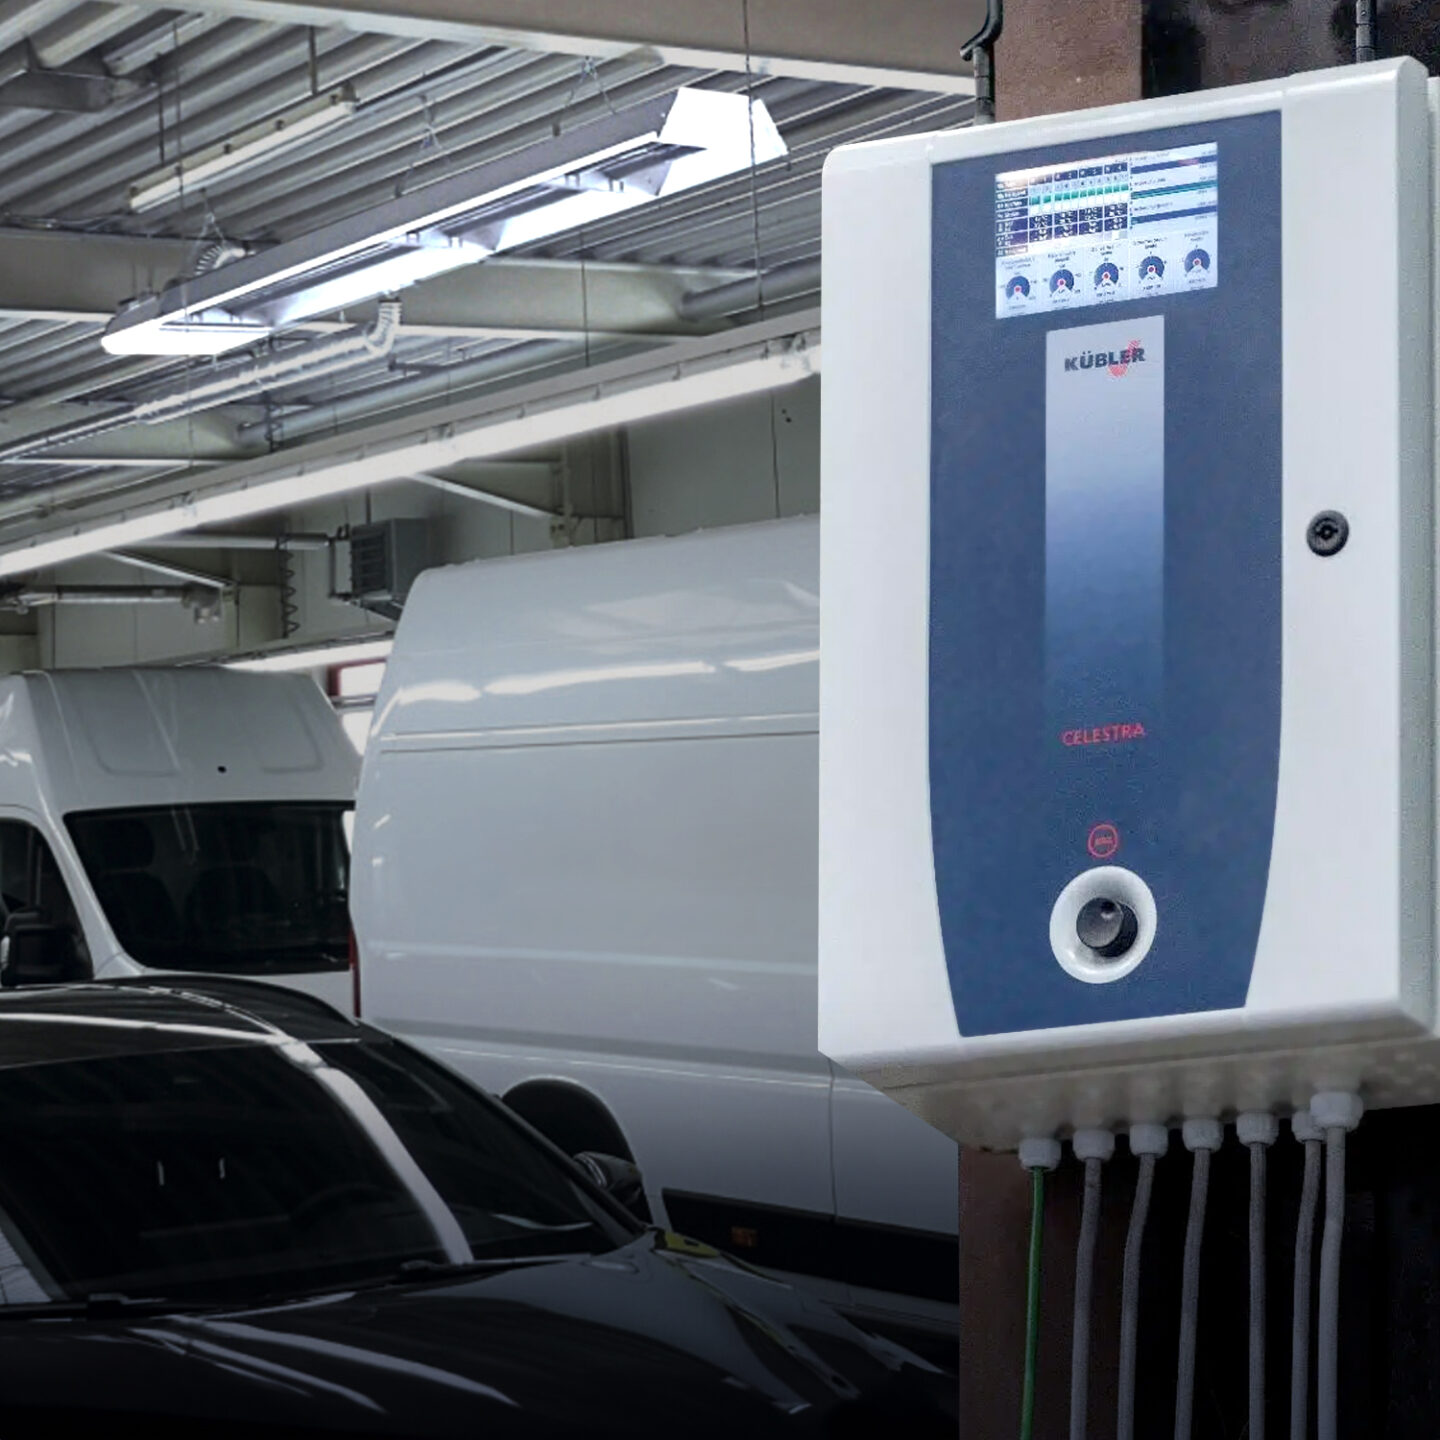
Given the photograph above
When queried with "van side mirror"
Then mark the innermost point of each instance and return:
(35, 952)
(620, 1179)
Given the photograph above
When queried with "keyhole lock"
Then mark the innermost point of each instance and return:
(1327, 533)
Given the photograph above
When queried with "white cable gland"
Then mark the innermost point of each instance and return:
(1202, 1134)
(1149, 1139)
(1257, 1127)
(1040, 1153)
(1303, 1126)
(1093, 1144)
(1337, 1109)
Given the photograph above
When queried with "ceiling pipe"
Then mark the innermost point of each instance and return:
(331, 416)
(784, 282)
(123, 462)
(198, 540)
(35, 596)
(305, 362)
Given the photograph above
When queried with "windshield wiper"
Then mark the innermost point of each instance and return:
(449, 1269)
(101, 1305)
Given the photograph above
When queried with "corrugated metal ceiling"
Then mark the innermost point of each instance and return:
(427, 110)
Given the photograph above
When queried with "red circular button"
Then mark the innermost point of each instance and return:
(1104, 841)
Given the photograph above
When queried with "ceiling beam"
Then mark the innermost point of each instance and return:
(521, 418)
(915, 45)
(485, 497)
(170, 570)
(62, 276)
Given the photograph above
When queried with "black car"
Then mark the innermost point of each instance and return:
(225, 1209)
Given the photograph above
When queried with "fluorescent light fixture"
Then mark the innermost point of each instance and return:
(244, 150)
(198, 335)
(416, 258)
(315, 657)
(601, 168)
(705, 136)
(701, 372)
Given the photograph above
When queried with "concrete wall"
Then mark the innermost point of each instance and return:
(131, 634)
(586, 489)
(747, 460)
(742, 461)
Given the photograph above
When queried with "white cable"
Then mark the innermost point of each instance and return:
(1093, 1147)
(1147, 1143)
(1257, 1130)
(1309, 1134)
(1336, 1112)
(1201, 1136)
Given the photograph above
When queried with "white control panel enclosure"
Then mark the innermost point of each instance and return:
(1340, 988)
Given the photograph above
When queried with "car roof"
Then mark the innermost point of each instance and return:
(46, 1024)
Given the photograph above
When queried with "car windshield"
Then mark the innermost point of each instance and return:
(242, 889)
(264, 1167)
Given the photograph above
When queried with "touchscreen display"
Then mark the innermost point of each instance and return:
(1120, 227)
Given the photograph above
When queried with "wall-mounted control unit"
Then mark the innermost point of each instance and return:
(1127, 558)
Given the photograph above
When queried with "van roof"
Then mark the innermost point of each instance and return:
(714, 625)
(120, 738)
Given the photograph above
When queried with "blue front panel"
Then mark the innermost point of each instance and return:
(1105, 562)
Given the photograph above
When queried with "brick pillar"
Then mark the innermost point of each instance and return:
(994, 1246)
(1066, 55)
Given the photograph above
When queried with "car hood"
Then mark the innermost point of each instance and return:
(659, 1337)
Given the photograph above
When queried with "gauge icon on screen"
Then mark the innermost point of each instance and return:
(1152, 268)
(1062, 282)
(1017, 287)
(1197, 262)
(1107, 277)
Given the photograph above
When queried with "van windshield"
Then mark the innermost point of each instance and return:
(240, 889)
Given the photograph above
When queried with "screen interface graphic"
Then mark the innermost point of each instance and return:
(1092, 232)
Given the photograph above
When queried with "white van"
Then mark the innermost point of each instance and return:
(585, 876)
(163, 820)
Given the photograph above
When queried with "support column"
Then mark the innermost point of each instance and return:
(1057, 55)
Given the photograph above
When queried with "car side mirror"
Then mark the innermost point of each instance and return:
(620, 1179)
(35, 952)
